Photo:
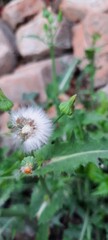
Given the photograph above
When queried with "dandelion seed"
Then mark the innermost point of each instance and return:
(31, 128)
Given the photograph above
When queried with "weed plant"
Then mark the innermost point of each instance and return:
(59, 191)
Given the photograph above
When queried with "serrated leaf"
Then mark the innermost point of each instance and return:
(95, 173)
(5, 103)
(102, 189)
(93, 118)
(81, 154)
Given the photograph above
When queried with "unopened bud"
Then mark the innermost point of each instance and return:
(67, 107)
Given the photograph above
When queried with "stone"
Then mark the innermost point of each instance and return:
(32, 77)
(63, 36)
(17, 11)
(8, 50)
(83, 39)
(77, 10)
(29, 45)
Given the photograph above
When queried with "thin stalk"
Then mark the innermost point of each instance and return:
(54, 74)
(42, 180)
(79, 126)
(84, 228)
(79, 189)
(60, 116)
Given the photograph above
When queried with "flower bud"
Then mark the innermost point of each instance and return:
(67, 107)
(27, 165)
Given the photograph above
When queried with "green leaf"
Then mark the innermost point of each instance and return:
(37, 198)
(46, 13)
(90, 69)
(95, 173)
(43, 232)
(80, 154)
(5, 196)
(52, 207)
(65, 82)
(50, 19)
(5, 103)
(102, 189)
(46, 28)
(96, 37)
(28, 161)
(93, 118)
(90, 53)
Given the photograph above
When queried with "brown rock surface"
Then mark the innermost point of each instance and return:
(8, 49)
(76, 10)
(30, 46)
(17, 11)
(82, 40)
(31, 78)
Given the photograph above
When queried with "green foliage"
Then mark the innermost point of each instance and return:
(67, 77)
(78, 154)
(60, 190)
(43, 232)
(5, 103)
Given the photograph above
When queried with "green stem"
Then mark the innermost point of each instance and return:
(84, 228)
(54, 74)
(60, 116)
(42, 180)
(79, 126)
(55, 91)
(79, 189)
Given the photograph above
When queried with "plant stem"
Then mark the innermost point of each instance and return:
(60, 116)
(84, 228)
(54, 74)
(42, 180)
(79, 189)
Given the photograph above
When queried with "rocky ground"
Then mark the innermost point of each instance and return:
(25, 65)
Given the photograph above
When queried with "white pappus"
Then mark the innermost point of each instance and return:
(31, 128)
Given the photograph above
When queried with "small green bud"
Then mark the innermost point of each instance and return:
(60, 16)
(96, 37)
(50, 19)
(5, 103)
(27, 165)
(46, 27)
(46, 13)
(67, 107)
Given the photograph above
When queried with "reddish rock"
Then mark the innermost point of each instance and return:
(31, 78)
(76, 10)
(17, 11)
(29, 45)
(8, 51)
(83, 38)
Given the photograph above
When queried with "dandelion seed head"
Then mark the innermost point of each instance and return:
(31, 128)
